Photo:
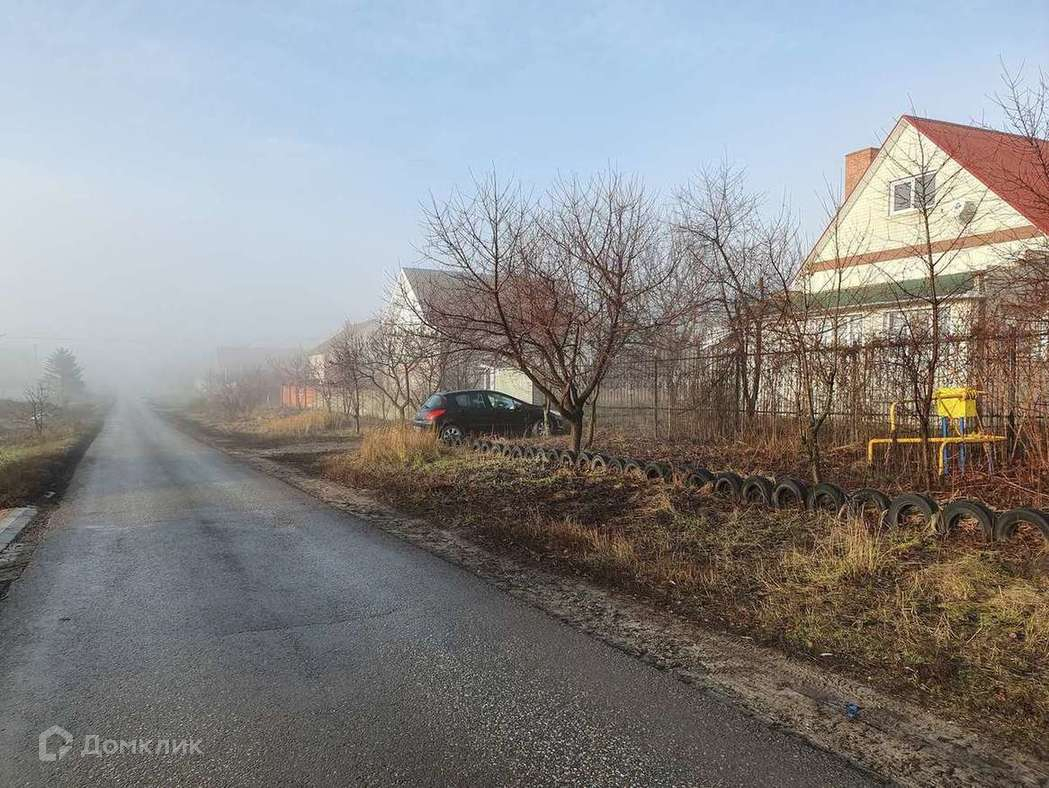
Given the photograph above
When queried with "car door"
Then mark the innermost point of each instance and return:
(508, 414)
(473, 411)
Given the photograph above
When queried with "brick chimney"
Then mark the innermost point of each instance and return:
(856, 163)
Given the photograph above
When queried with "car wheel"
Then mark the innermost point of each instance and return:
(539, 429)
(450, 433)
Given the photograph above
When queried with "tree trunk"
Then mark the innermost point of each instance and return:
(593, 422)
(575, 419)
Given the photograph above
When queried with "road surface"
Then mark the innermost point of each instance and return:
(229, 629)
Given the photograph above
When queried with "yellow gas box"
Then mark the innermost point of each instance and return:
(956, 403)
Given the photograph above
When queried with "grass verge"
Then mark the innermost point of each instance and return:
(954, 624)
(31, 465)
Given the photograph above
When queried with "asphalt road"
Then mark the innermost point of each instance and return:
(184, 597)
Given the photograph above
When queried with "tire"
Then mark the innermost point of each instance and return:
(868, 497)
(484, 446)
(1006, 522)
(508, 450)
(633, 468)
(902, 505)
(790, 492)
(529, 453)
(582, 461)
(699, 478)
(475, 444)
(827, 497)
(966, 509)
(614, 464)
(517, 453)
(566, 458)
(757, 489)
(450, 433)
(681, 472)
(728, 485)
(599, 463)
(658, 472)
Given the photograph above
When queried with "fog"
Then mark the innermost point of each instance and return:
(177, 179)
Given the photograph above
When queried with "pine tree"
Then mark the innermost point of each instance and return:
(63, 375)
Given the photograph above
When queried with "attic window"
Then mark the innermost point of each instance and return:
(909, 194)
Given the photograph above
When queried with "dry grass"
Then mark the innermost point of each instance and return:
(297, 424)
(31, 464)
(398, 445)
(956, 624)
(277, 425)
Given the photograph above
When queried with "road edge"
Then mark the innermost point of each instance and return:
(14, 522)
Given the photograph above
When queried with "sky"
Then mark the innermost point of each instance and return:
(179, 176)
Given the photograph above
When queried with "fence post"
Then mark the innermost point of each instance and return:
(655, 396)
(1010, 428)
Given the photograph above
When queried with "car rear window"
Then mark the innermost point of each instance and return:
(435, 401)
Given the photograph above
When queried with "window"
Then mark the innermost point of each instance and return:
(908, 324)
(852, 330)
(501, 401)
(471, 400)
(908, 194)
(436, 401)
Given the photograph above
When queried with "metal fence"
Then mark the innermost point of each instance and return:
(702, 396)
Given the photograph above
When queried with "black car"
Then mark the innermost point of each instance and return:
(455, 414)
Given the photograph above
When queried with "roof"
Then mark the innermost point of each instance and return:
(1007, 164)
(423, 280)
(947, 286)
(363, 327)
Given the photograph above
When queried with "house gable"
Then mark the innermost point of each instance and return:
(869, 242)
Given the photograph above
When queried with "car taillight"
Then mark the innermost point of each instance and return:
(436, 413)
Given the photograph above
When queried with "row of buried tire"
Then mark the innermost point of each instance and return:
(785, 492)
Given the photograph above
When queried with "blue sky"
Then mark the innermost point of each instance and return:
(182, 175)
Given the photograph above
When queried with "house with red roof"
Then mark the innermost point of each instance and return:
(929, 216)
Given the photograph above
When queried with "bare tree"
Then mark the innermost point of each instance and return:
(297, 371)
(1025, 104)
(239, 393)
(718, 224)
(556, 289)
(398, 363)
(926, 182)
(812, 320)
(348, 369)
(1026, 108)
(41, 405)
